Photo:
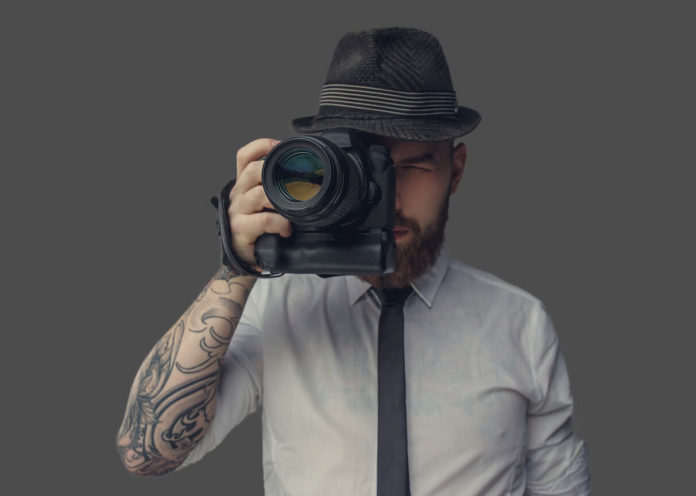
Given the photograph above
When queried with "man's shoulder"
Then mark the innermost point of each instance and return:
(472, 279)
(500, 306)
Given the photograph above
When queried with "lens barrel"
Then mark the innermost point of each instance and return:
(312, 181)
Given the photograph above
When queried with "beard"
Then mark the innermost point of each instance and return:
(418, 254)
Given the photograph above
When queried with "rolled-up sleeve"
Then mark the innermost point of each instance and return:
(557, 462)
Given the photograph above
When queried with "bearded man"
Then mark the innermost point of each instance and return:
(438, 378)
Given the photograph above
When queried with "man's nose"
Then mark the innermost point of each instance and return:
(397, 206)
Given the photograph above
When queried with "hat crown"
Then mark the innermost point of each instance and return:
(392, 82)
(403, 59)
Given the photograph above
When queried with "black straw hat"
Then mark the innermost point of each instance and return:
(393, 82)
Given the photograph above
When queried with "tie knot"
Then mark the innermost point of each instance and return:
(396, 296)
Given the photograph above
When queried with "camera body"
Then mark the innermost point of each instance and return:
(338, 191)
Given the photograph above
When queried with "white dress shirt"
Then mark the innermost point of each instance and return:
(487, 392)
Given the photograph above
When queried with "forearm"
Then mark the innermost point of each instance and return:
(172, 400)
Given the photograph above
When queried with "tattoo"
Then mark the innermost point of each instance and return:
(225, 274)
(164, 419)
(229, 314)
(214, 343)
(232, 279)
(148, 438)
(190, 424)
(141, 414)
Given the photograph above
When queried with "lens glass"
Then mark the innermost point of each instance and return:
(301, 174)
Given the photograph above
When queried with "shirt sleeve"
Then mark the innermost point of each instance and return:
(557, 463)
(240, 389)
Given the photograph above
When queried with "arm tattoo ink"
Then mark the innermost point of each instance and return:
(139, 452)
(214, 343)
(225, 274)
(164, 419)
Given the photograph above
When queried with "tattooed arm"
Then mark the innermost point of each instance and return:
(172, 400)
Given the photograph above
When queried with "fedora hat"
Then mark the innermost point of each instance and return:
(393, 82)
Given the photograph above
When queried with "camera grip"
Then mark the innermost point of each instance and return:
(363, 253)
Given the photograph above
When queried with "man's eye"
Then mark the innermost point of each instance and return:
(412, 168)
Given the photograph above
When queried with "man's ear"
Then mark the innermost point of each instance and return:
(458, 162)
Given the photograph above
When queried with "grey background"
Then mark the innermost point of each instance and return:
(120, 119)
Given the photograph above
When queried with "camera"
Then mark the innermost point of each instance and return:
(338, 191)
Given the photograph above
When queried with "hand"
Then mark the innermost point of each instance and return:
(248, 221)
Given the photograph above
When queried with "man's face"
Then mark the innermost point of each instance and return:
(427, 173)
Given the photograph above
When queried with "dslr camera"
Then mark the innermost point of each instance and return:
(338, 191)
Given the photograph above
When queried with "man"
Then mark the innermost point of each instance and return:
(485, 407)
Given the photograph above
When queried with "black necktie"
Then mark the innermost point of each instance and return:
(392, 453)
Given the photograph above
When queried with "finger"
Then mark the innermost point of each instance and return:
(247, 228)
(254, 200)
(248, 178)
(254, 151)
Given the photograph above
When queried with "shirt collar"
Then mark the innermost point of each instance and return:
(425, 286)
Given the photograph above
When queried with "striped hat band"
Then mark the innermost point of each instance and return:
(389, 101)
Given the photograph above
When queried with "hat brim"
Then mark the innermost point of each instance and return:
(400, 127)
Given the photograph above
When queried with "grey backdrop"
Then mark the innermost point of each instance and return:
(120, 119)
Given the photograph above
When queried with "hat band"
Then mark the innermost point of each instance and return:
(389, 101)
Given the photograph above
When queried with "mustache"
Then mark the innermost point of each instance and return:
(400, 220)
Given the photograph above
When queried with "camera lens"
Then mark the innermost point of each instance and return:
(301, 174)
(312, 181)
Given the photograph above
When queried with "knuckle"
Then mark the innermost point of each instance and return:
(236, 224)
(234, 207)
(233, 194)
(250, 171)
(241, 154)
(260, 193)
